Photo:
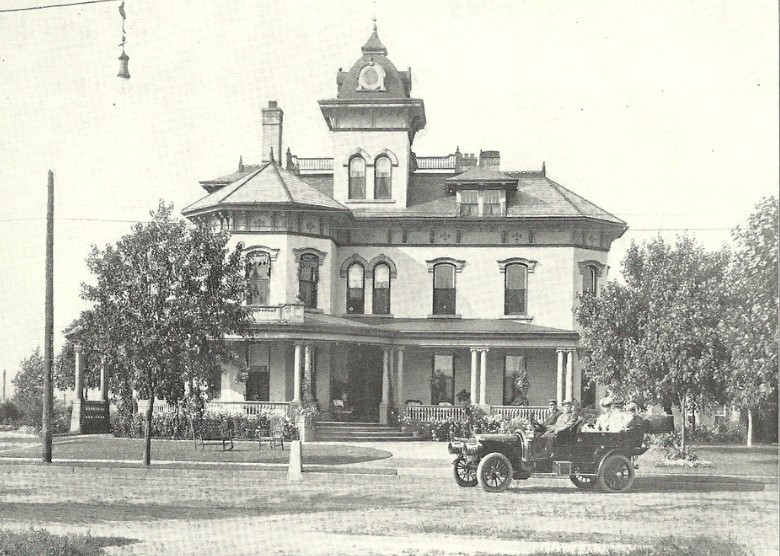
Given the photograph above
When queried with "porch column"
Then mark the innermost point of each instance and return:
(79, 372)
(297, 374)
(308, 395)
(483, 376)
(399, 390)
(559, 393)
(569, 374)
(384, 405)
(103, 380)
(474, 372)
(390, 371)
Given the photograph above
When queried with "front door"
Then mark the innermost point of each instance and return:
(365, 382)
(258, 384)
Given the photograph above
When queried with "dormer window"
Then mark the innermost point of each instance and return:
(482, 202)
(382, 178)
(357, 178)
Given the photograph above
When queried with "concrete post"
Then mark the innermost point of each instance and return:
(79, 386)
(295, 467)
(297, 374)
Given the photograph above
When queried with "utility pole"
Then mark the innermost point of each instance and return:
(48, 357)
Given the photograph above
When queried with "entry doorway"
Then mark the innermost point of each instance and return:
(364, 388)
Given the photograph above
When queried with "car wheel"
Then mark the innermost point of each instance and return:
(465, 472)
(616, 474)
(584, 482)
(494, 472)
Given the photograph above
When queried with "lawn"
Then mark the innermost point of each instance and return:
(758, 461)
(132, 449)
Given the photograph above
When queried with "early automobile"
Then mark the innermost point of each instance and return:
(588, 458)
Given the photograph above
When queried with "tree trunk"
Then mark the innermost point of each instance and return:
(750, 428)
(684, 411)
(148, 429)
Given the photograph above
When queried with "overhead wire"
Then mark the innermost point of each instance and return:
(64, 5)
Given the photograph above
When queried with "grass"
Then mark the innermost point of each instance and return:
(37, 542)
(108, 448)
(669, 546)
(758, 461)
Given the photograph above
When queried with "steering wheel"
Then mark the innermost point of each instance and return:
(536, 424)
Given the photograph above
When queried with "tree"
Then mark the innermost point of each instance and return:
(165, 297)
(750, 321)
(657, 337)
(65, 361)
(28, 388)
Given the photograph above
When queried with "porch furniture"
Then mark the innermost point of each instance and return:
(211, 433)
(274, 434)
(340, 409)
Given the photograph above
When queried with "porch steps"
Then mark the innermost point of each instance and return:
(338, 431)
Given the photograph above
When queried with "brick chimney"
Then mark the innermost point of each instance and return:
(490, 160)
(272, 132)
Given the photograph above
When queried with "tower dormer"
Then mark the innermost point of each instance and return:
(373, 121)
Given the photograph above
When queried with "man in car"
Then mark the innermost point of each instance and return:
(554, 413)
(566, 420)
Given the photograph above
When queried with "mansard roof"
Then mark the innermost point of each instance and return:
(268, 185)
(481, 175)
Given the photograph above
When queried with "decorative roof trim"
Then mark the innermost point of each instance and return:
(357, 151)
(350, 261)
(529, 264)
(599, 267)
(272, 253)
(298, 251)
(383, 259)
(458, 264)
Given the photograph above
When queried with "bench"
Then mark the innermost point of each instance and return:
(212, 433)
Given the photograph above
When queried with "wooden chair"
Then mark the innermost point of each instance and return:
(340, 409)
(273, 435)
(211, 433)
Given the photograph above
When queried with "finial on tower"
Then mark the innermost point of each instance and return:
(272, 159)
(544, 169)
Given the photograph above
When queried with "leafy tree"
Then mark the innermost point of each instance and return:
(657, 337)
(750, 323)
(28, 388)
(165, 297)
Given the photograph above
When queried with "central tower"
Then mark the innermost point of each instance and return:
(373, 121)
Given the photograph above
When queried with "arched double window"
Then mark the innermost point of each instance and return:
(308, 276)
(381, 291)
(515, 289)
(355, 289)
(357, 178)
(258, 277)
(383, 170)
(444, 289)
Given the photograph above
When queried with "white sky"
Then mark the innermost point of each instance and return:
(663, 113)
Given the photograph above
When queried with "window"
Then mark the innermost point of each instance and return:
(469, 203)
(515, 289)
(215, 382)
(382, 177)
(381, 301)
(491, 200)
(357, 178)
(308, 276)
(258, 277)
(444, 289)
(442, 380)
(590, 279)
(355, 280)
(515, 380)
(258, 383)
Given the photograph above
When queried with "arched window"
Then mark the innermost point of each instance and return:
(590, 280)
(444, 289)
(258, 277)
(381, 301)
(357, 178)
(308, 276)
(382, 178)
(355, 281)
(515, 289)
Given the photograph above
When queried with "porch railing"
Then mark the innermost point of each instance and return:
(281, 409)
(442, 412)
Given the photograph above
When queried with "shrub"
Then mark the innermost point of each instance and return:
(9, 413)
(724, 431)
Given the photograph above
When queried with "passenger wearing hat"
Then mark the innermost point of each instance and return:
(554, 413)
(603, 420)
(565, 421)
(624, 419)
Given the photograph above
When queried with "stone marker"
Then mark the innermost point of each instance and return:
(295, 468)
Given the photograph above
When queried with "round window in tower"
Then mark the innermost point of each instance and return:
(372, 78)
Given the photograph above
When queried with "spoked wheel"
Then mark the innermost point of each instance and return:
(583, 481)
(616, 474)
(465, 472)
(494, 472)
